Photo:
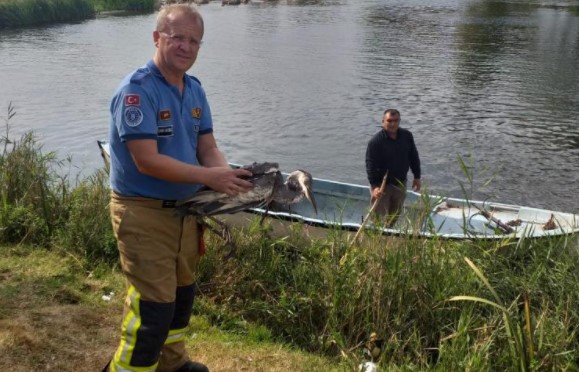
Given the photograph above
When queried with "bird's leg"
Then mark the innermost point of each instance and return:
(264, 215)
(224, 234)
(267, 208)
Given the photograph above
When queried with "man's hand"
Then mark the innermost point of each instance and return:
(416, 184)
(227, 180)
(377, 193)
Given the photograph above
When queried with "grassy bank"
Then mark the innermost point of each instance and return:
(18, 13)
(441, 305)
(53, 318)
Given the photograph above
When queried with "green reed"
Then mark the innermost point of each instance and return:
(41, 206)
(29, 192)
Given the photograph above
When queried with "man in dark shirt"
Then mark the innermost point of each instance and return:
(391, 150)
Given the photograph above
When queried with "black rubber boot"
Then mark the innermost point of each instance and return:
(106, 369)
(191, 366)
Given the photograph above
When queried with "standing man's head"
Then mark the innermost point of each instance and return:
(178, 37)
(391, 121)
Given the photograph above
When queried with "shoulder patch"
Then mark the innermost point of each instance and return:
(133, 116)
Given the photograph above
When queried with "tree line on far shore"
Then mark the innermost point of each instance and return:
(21, 13)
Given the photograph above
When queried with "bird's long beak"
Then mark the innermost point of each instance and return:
(310, 197)
(305, 180)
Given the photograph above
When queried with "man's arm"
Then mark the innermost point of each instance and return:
(372, 165)
(149, 162)
(208, 153)
(372, 170)
(415, 165)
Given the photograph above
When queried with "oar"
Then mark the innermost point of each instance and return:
(382, 188)
(486, 214)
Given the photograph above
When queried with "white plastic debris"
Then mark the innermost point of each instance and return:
(108, 297)
(368, 367)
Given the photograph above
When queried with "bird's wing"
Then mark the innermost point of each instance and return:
(210, 205)
(261, 168)
(230, 208)
(207, 202)
(205, 195)
(195, 204)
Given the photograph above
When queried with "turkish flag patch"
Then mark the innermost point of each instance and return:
(132, 100)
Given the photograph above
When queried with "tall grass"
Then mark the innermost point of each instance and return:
(328, 296)
(41, 206)
(30, 194)
(434, 309)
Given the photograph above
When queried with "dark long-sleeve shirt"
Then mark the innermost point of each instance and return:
(395, 156)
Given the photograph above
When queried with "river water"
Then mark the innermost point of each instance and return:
(304, 83)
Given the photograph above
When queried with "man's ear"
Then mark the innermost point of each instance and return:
(156, 37)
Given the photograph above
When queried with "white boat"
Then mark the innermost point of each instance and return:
(344, 206)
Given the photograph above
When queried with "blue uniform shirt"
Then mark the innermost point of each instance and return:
(146, 106)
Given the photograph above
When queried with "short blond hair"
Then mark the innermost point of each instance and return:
(185, 9)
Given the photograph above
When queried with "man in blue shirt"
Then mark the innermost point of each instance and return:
(162, 150)
(391, 150)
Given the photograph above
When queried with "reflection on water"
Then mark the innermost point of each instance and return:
(305, 82)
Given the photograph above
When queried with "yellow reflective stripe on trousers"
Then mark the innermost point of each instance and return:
(176, 335)
(131, 324)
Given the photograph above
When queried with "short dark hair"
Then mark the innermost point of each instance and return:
(391, 112)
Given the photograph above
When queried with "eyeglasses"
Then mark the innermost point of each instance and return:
(182, 40)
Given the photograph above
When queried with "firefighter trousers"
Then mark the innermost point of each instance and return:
(159, 253)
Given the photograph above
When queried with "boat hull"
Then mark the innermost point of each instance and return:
(344, 206)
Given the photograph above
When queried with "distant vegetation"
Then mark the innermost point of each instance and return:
(18, 13)
(507, 305)
(130, 5)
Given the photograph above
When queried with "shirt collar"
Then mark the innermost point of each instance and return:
(388, 136)
(155, 70)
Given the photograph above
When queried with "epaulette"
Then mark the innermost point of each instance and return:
(194, 78)
(139, 75)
